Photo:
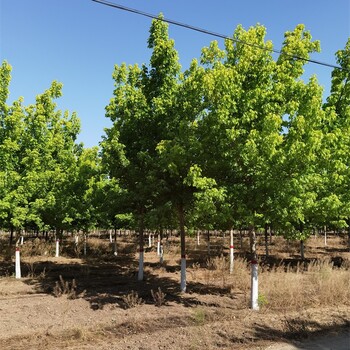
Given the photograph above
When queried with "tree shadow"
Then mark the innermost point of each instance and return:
(297, 329)
(108, 280)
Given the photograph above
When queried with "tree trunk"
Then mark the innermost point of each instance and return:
(141, 250)
(161, 247)
(231, 251)
(11, 235)
(302, 249)
(252, 236)
(115, 252)
(85, 241)
(208, 242)
(181, 214)
(266, 240)
(241, 238)
(301, 229)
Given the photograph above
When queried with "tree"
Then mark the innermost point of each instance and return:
(50, 160)
(12, 195)
(136, 110)
(336, 171)
(151, 146)
(252, 125)
(38, 153)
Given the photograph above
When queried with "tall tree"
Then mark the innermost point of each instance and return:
(337, 143)
(151, 146)
(252, 106)
(137, 111)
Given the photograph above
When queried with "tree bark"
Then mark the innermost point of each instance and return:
(252, 236)
(266, 240)
(11, 235)
(302, 249)
(181, 214)
(141, 250)
(231, 251)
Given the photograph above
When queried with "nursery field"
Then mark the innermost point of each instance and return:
(94, 301)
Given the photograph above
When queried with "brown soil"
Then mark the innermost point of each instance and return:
(211, 316)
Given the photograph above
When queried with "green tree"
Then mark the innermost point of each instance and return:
(249, 125)
(336, 171)
(136, 110)
(151, 147)
(12, 194)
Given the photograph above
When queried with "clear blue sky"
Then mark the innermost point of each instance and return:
(77, 42)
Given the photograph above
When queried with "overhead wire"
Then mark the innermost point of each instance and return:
(218, 35)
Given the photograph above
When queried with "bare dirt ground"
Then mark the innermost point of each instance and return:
(104, 314)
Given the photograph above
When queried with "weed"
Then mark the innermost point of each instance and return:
(262, 300)
(63, 287)
(131, 300)
(31, 269)
(158, 297)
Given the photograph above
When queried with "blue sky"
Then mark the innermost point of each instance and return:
(77, 42)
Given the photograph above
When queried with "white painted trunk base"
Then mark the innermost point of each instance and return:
(254, 286)
(158, 248)
(232, 256)
(57, 248)
(18, 263)
(183, 274)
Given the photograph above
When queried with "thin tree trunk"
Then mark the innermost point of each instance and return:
(302, 250)
(141, 250)
(252, 236)
(266, 240)
(241, 239)
(208, 243)
(302, 247)
(115, 252)
(11, 235)
(181, 214)
(85, 242)
(231, 251)
(161, 248)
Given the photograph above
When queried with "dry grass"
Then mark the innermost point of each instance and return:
(281, 288)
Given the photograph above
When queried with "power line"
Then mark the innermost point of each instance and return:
(208, 32)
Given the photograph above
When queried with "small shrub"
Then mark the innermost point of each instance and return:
(158, 297)
(131, 300)
(63, 287)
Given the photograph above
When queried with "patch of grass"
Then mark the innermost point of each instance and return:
(199, 316)
(318, 285)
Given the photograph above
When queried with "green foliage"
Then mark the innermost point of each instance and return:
(237, 139)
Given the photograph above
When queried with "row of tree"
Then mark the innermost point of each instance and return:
(238, 139)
